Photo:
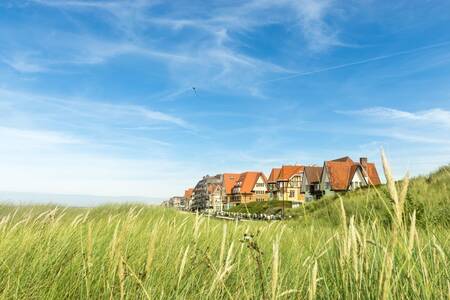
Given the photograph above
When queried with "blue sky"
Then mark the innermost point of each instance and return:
(96, 96)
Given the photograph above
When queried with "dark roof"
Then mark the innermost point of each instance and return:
(312, 174)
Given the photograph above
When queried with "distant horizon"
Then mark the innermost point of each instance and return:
(73, 200)
(146, 97)
(80, 200)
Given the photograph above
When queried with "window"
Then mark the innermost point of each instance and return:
(292, 194)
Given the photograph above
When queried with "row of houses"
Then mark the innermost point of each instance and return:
(294, 183)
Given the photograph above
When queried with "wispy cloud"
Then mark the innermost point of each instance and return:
(41, 137)
(308, 15)
(359, 62)
(434, 116)
(75, 146)
(206, 42)
(84, 109)
(23, 62)
(422, 127)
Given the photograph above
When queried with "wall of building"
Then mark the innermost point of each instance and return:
(259, 194)
(325, 185)
(291, 190)
(357, 180)
(216, 200)
(273, 190)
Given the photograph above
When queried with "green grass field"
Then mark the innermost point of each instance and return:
(374, 248)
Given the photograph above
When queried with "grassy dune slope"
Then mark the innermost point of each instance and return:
(141, 252)
(428, 195)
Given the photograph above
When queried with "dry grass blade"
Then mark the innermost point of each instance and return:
(392, 189)
(223, 244)
(275, 267)
(412, 233)
(313, 284)
(397, 224)
(182, 265)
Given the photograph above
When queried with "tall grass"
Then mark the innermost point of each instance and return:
(139, 252)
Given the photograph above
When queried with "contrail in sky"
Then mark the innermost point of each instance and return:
(360, 62)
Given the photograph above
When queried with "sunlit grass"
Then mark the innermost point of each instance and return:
(141, 252)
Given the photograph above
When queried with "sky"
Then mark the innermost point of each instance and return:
(142, 98)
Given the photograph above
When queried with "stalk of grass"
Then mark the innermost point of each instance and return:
(137, 251)
(182, 265)
(313, 284)
(275, 266)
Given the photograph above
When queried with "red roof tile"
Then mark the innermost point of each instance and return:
(342, 170)
(229, 180)
(374, 179)
(248, 181)
(287, 172)
(343, 159)
(188, 193)
(339, 174)
(274, 175)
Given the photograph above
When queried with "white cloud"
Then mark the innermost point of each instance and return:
(41, 137)
(79, 146)
(212, 50)
(434, 116)
(406, 132)
(23, 63)
(87, 110)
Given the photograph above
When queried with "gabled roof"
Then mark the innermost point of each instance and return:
(229, 180)
(248, 180)
(342, 170)
(339, 174)
(312, 174)
(372, 173)
(287, 172)
(188, 193)
(274, 175)
(343, 159)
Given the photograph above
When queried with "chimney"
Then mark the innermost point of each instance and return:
(363, 161)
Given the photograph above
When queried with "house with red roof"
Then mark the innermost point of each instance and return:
(343, 174)
(250, 187)
(228, 182)
(289, 183)
(188, 198)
